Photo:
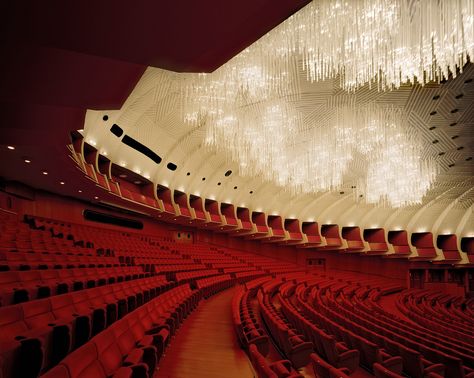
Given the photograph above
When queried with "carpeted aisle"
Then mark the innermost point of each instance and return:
(206, 345)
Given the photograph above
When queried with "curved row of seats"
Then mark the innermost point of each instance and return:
(426, 307)
(133, 345)
(44, 331)
(49, 313)
(348, 329)
(22, 286)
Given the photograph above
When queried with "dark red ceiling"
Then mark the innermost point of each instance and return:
(60, 58)
(179, 35)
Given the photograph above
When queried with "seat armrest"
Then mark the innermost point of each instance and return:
(123, 372)
(134, 357)
(435, 368)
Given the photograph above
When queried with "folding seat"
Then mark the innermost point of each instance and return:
(57, 340)
(68, 281)
(322, 369)
(130, 337)
(19, 344)
(381, 371)
(31, 281)
(84, 363)
(127, 300)
(105, 308)
(415, 366)
(338, 355)
(63, 308)
(115, 352)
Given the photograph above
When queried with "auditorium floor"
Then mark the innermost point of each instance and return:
(206, 345)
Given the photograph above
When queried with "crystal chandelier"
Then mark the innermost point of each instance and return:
(247, 106)
(270, 140)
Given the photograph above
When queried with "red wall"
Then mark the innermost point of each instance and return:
(69, 210)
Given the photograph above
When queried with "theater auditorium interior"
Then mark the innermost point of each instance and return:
(248, 188)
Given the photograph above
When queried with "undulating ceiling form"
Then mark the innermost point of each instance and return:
(398, 159)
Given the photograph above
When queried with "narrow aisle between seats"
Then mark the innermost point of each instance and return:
(206, 345)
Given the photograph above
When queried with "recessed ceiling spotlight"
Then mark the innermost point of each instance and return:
(11, 147)
(27, 161)
(95, 197)
(137, 182)
(62, 182)
(79, 191)
(45, 173)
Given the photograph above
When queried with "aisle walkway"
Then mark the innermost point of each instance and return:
(205, 345)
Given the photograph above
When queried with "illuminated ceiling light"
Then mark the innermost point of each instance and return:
(137, 171)
(96, 198)
(62, 182)
(104, 153)
(45, 173)
(92, 142)
(79, 191)
(123, 164)
(395, 44)
(147, 176)
(123, 175)
(27, 161)
(11, 147)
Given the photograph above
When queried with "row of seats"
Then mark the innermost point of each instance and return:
(410, 345)
(44, 331)
(21, 286)
(294, 345)
(38, 260)
(133, 345)
(246, 323)
(212, 285)
(341, 347)
(448, 343)
(278, 369)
